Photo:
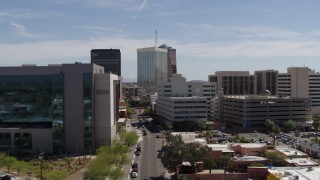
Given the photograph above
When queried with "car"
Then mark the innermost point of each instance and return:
(138, 145)
(134, 174)
(4, 176)
(137, 153)
(135, 163)
(158, 136)
(134, 167)
(138, 148)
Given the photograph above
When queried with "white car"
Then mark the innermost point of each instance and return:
(134, 174)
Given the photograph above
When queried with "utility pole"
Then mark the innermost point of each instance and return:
(41, 164)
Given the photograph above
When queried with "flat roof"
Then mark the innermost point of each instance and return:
(290, 151)
(249, 145)
(121, 120)
(303, 173)
(302, 161)
(251, 158)
(222, 147)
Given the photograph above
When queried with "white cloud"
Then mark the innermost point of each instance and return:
(23, 31)
(251, 49)
(59, 52)
(28, 14)
(142, 5)
(71, 49)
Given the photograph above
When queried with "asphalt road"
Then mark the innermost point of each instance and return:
(150, 167)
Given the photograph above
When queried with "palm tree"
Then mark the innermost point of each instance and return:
(316, 124)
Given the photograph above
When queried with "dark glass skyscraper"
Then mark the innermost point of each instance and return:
(110, 59)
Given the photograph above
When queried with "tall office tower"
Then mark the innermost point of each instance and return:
(234, 82)
(266, 80)
(110, 59)
(172, 60)
(152, 67)
(301, 82)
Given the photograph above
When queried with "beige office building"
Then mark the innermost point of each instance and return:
(252, 111)
(234, 82)
(301, 82)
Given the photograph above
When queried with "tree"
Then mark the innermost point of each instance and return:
(200, 125)
(316, 124)
(256, 164)
(269, 125)
(274, 158)
(9, 161)
(129, 112)
(290, 125)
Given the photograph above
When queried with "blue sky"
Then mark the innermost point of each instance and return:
(209, 35)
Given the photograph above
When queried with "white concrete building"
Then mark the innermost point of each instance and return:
(180, 100)
(182, 109)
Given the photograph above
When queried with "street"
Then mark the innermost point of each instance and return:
(150, 167)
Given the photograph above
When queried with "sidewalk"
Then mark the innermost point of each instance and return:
(78, 175)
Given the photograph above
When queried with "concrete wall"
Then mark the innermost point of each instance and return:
(41, 138)
(105, 117)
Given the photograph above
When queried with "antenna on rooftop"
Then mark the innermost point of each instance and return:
(156, 38)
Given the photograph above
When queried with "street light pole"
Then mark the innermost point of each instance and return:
(41, 163)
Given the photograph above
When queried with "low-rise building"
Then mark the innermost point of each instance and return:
(248, 149)
(252, 111)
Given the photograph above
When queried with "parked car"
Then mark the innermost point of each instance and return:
(138, 148)
(134, 174)
(4, 176)
(137, 153)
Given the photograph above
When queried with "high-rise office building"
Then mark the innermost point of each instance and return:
(234, 82)
(266, 80)
(301, 82)
(172, 60)
(152, 67)
(110, 59)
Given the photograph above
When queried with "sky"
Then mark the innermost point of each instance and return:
(209, 35)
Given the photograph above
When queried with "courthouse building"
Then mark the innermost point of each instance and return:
(57, 108)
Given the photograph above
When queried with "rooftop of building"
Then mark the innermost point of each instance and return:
(250, 158)
(249, 145)
(302, 162)
(310, 145)
(301, 173)
(290, 151)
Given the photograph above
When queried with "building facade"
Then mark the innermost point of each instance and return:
(57, 108)
(252, 111)
(301, 82)
(172, 59)
(152, 67)
(110, 59)
(266, 80)
(182, 109)
(177, 90)
(234, 82)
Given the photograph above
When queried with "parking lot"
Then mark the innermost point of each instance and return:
(282, 139)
